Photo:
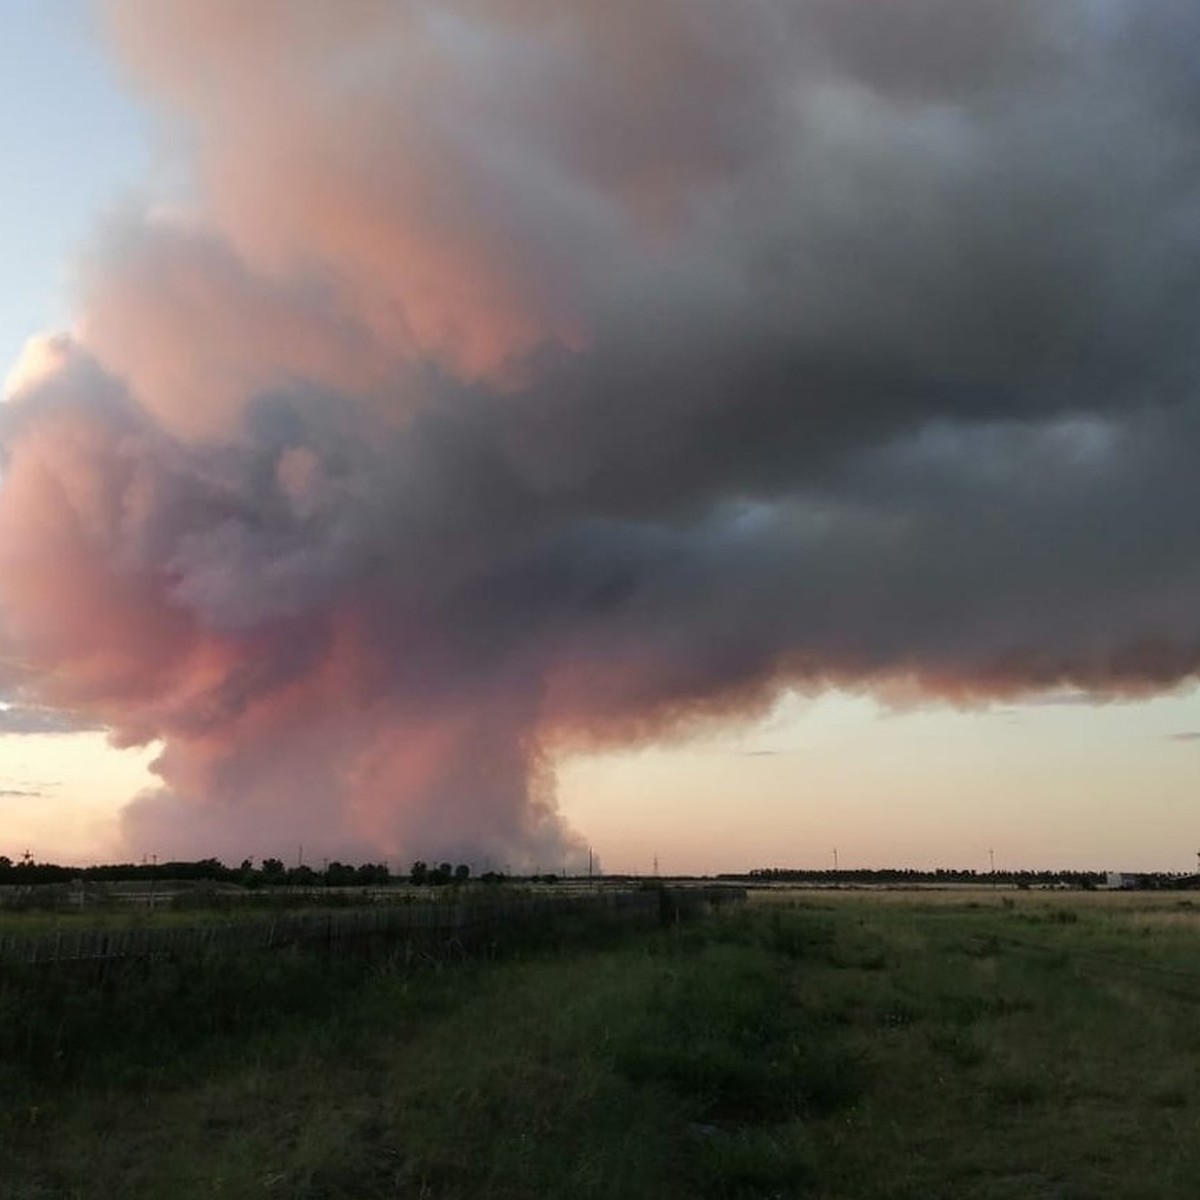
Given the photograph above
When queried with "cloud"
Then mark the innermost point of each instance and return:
(1190, 736)
(1071, 699)
(19, 719)
(40, 359)
(520, 377)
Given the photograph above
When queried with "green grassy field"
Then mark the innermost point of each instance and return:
(832, 1045)
(186, 909)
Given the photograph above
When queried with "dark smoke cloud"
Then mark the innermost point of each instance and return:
(527, 376)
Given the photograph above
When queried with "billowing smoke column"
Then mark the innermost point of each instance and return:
(523, 375)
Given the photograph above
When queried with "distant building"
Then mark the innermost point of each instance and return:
(1150, 881)
(1121, 881)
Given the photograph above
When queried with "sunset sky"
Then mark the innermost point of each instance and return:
(757, 435)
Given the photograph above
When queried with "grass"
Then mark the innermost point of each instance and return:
(835, 1047)
(196, 908)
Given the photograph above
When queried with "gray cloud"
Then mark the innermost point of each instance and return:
(24, 719)
(533, 377)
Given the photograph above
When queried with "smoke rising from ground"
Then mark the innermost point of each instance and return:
(520, 376)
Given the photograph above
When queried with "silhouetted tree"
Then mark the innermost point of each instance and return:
(462, 873)
(440, 874)
(338, 874)
(372, 874)
(419, 873)
(273, 870)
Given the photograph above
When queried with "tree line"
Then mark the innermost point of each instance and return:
(900, 876)
(270, 872)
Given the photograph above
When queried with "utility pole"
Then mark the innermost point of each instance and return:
(835, 858)
(992, 860)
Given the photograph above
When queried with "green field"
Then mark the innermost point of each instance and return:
(836, 1045)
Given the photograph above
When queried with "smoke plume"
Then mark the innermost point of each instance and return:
(512, 376)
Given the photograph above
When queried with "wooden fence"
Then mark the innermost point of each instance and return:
(415, 928)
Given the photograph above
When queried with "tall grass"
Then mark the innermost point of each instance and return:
(879, 1051)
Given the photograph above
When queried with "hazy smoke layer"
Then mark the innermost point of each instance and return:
(523, 374)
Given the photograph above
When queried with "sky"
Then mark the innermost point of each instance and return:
(496, 431)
